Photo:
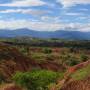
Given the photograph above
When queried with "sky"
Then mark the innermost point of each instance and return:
(45, 15)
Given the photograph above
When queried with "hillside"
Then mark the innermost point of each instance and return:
(81, 80)
(76, 77)
(65, 67)
(12, 60)
(78, 85)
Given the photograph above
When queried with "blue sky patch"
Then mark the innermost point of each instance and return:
(43, 15)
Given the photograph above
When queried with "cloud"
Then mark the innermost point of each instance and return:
(43, 26)
(26, 11)
(16, 24)
(84, 9)
(73, 14)
(55, 19)
(85, 27)
(69, 3)
(24, 3)
(80, 27)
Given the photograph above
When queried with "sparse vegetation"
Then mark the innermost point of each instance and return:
(82, 73)
(41, 62)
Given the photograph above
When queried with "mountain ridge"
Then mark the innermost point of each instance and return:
(63, 34)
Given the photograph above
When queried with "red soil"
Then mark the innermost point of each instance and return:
(18, 62)
(78, 85)
(68, 84)
(10, 87)
(79, 66)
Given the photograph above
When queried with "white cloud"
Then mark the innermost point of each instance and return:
(80, 27)
(43, 26)
(85, 27)
(15, 24)
(84, 9)
(54, 19)
(24, 3)
(69, 3)
(10, 11)
(26, 11)
(73, 14)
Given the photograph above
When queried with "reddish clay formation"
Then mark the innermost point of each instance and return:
(15, 61)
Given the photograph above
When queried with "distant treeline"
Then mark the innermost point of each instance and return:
(48, 42)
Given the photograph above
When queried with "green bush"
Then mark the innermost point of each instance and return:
(40, 57)
(47, 50)
(83, 57)
(69, 59)
(35, 80)
(72, 62)
(24, 50)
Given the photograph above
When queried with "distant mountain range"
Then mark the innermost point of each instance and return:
(63, 34)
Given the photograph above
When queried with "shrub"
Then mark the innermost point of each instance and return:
(83, 57)
(72, 62)
(40, 57)
(35, 80)
(47, 50)
(69, 60)
(24, 50)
